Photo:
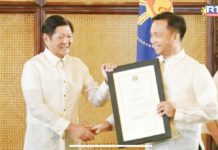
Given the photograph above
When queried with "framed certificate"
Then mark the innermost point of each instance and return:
(136, 89)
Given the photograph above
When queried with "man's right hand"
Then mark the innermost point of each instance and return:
(102, 127)
(80, 132)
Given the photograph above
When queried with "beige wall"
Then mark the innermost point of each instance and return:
(17, 40)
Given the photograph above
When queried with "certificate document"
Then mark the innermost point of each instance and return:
(136, 89)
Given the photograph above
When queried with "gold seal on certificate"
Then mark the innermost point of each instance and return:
(136, 89)
(135, 78)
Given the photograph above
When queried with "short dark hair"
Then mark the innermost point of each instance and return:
(52, 22)
(174, 21)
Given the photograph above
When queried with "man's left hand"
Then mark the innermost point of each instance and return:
(166, 108)
(107, 68)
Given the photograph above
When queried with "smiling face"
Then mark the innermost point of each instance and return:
(163, 39)
(59, 43)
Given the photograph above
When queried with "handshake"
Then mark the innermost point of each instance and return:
(87, 133)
